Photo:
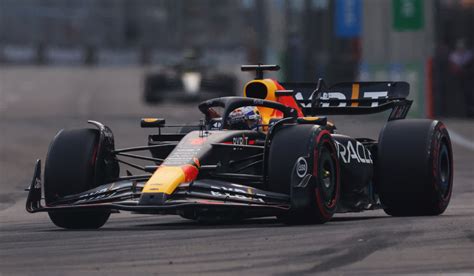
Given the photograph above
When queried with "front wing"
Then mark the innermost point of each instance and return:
(201, 196)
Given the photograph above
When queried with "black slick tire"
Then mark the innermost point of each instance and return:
(302, 162)
(414, 168)
(69, 169)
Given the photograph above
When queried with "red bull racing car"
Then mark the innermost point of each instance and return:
(292, 164)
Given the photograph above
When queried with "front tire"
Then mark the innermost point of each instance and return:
(70, 169)
(414, 174)
(303, 164)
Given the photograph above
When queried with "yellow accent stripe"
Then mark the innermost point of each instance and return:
(150, 120)
(311, 118)
(164, 180)
(355, 93)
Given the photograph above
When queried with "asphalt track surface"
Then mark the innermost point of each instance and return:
(35, 104)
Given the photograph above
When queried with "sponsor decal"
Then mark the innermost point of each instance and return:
(301, 167)
(103, 190)
(240, 140)
(232, 193)
(333, 95)
(299, 97)
(216, 125)
(349, 153)
(96, 195)
(198, 141)
(374, 95)
(182, 156)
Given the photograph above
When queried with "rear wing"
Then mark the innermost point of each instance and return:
(352, 98)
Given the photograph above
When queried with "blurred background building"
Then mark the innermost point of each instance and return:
(427, 43)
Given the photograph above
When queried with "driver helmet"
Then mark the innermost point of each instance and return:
(243, 118)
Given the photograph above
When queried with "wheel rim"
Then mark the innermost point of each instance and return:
(444, 171)
(327, 178)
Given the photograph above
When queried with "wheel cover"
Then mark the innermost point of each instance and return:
(327, 178)
(444, 171)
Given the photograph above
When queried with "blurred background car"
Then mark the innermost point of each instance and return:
(191, 79)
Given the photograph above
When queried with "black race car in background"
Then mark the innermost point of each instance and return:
(296, 166)
(190, 80)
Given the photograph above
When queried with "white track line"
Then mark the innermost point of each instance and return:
(461, 140)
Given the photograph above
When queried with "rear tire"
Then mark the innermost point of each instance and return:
(414, 174)
(69, 169)
(308, 171)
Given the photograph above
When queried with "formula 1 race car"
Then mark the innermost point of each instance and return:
(293, 166)
(190, 80)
